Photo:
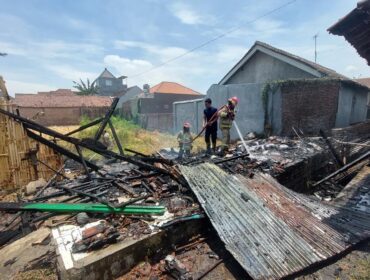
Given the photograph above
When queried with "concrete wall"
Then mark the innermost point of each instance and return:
(250, 111)
(156, 121)
(306, 105)
(131, 93)
(262, 68)
(352, 105)
(274, 112)
(188, 111)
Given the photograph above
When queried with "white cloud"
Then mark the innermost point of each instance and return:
(351, 68)
(71, 73)
(188, 15)
(127, 66)
(14, 86)
(163, 53)
(197, 70)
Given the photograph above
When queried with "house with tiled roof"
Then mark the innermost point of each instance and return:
(60, 107)
(153, 108)
(281, 93)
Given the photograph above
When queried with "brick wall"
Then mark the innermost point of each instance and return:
(309, 106)
(62, 116)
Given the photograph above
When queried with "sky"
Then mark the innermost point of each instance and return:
(50, 44)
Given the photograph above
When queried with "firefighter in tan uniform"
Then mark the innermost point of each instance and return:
(185, 140)
(227, 116)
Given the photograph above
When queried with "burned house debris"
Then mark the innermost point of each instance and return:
(286, 196)
(132, 200)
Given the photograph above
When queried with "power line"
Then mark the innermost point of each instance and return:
(213, 39)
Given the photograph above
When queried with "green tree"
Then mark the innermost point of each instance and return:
(86, 88)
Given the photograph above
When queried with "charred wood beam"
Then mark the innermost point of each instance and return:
(343, 169)
(57, 172)
(109, 154)
(50, 182)
(331, 148)
(230, 159)
(84, 127)
(83, 161)
(160, 160)
(115, 137)
(85, 194)
(60, 149)
(136, 152)
(106, 119)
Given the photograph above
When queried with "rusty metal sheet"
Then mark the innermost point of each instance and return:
(272, 231)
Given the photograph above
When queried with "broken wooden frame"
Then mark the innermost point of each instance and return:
(31, 125)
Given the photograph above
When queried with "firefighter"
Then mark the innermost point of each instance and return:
(185, 140)
(227, 116)
(107, 140)
(210, 121)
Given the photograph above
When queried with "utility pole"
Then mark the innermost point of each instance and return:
(315, 38)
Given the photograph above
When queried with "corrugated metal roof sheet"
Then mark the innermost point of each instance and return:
(272, 232)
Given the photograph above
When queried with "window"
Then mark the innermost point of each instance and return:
(97, 82)
(108, 83)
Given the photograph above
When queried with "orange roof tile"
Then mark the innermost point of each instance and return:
(172, 88)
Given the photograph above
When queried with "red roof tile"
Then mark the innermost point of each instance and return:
(172, 88)
(60, 98)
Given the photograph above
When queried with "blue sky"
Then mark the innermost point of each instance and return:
(52, 43)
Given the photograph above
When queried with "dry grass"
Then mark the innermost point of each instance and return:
(131, 136)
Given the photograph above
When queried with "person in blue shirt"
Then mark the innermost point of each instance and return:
(210, 121)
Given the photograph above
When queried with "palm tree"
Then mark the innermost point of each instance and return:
(86, 88)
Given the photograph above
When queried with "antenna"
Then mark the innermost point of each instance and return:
(315, 38)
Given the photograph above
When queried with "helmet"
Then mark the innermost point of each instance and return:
(234, 100)
(187, 125)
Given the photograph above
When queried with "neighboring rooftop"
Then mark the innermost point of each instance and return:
(172, 88)
(355, 27)
(106, 74)
(297, 61)
(363, 81)
(60, 98)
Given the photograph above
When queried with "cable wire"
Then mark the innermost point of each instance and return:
(213, 39)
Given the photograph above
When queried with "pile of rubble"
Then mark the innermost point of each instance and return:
(118, 186)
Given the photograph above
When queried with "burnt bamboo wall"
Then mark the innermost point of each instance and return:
(16, 167)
